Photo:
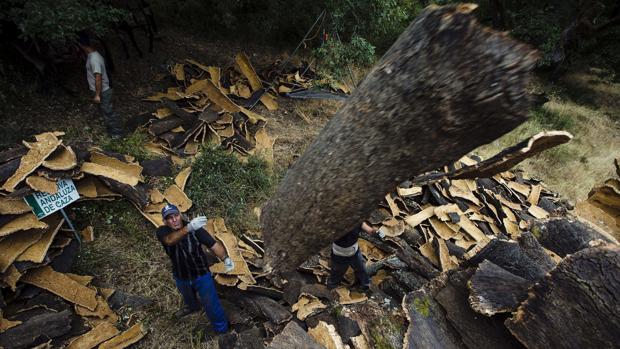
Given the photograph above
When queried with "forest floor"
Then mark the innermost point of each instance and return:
(126, 256)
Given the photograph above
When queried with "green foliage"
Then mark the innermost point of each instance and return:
(379, 21)
(60, 20)
(221, 185)
(335, 57)
(132, 145)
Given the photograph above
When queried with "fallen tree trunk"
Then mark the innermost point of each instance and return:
(576, 306)
(565, 236)
(445, 87)
(494, 289)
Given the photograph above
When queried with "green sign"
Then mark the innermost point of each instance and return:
(44, 204)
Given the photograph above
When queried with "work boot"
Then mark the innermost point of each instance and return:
(183, 312)
(359, 287)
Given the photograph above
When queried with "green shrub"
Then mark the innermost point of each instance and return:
(60, 20)
(221, 185)
(132, 145)
(335, 57)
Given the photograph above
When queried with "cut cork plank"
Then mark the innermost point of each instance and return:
(538, 212)
(83, 280)
(102, 311)
(125, 339)
(177, 197)
(88, 234)
(326, 335)
(38, 151)
(415, 219)
(23, 222)
(442, 229)
(86, 187)
(62, 159)
(534, 194)
(94, 337)
(226, 280)
(62, 285)
(463, 192)
(522, 189)
(13, 206)
(217, 229)
(42, 184)
(345, 296)
(6, 324)
(156, 196)
(36, 252)
(243, 62)
(15, 244)
(154, 218)
(307, 305)
(181, 179)
(392, 205)
(10, 277)
(443, 212)
(413, 191)
(106, 166)
(221, 100)
(472, 230)
(109, 172)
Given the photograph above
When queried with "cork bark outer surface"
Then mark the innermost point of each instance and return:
(445, 87)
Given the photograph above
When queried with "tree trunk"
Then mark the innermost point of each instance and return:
(566, 236)
(512, 257)
(494, 289)
(576, 306)
(445, 87)
(476, 331)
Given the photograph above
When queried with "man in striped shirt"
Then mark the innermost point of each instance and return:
(183, 242)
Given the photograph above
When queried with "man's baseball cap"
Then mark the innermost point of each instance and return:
(168, 210)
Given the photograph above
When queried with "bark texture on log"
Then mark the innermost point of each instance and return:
(565, 236)
(476, 331)
(510, 256)
(428, 326)
(37, 330)
(494, 290)
(576, 306)
(445, 87)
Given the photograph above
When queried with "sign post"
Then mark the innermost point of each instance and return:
(44, 204)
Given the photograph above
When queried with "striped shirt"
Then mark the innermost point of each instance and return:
(189, 261)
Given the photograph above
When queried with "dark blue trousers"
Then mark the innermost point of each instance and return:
(339, 266)
(205, 288)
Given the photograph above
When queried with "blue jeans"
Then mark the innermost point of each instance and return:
(339, 266)
(205, 288)
(112, 120)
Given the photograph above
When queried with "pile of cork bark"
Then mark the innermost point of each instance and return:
(213, 105)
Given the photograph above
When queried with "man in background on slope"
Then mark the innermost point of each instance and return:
(99, 84)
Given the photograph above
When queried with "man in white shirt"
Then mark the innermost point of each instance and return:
(99, 84)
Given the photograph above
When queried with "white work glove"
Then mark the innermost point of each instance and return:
(381, 234)
(196, 223)
(228, 264)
